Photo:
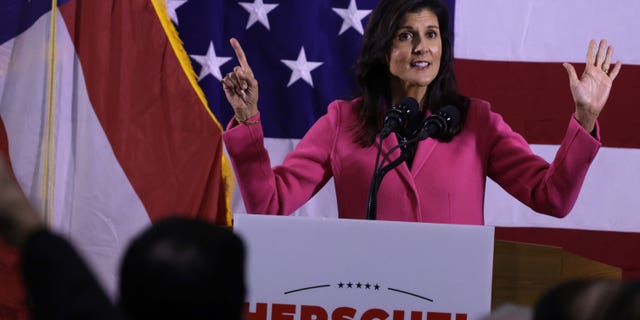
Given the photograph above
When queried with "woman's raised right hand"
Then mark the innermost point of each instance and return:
(241, 87)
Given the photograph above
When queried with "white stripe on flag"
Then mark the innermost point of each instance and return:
(544, 30)
(5, 58)
(603, 203)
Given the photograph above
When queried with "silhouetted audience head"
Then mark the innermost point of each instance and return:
(590, 299)
(183, 269)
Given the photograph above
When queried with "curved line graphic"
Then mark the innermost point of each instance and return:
(411, 294)
(308, 288)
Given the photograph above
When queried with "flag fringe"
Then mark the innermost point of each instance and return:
(183, 58)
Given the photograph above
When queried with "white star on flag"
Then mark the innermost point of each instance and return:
(352, 17)
(172, 5)
(210, 63)
(258, 12)
(301, 68)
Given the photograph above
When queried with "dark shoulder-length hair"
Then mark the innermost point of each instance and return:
(372, 69)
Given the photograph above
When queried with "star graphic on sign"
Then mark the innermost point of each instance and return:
(351, 17)
(349, 285)
(359, 285)
(377, 287)
(172, 5)
(301, 68)
(340, 285)
(368, 286)
(210, 63)
(258, 12)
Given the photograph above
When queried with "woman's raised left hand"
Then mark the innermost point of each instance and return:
(591, 90)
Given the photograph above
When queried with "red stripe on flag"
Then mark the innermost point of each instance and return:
(167, 144)
(535, 99)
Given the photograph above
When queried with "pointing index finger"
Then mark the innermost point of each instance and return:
(240, 55)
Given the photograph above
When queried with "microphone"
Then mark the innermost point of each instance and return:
(439, 122)
(398, 114)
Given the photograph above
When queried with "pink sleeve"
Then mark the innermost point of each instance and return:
(284, 188)
(547, 188)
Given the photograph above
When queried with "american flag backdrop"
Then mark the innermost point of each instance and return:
(509, 53)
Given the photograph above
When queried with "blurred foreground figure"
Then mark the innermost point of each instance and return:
(590, 299)
(177, 269)
(183, 269)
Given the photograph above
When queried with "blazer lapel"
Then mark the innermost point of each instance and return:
(425, 148)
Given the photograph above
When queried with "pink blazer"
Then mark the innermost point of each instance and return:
(446, 183)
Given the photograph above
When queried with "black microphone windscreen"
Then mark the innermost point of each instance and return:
(451, 114)
(441, 121)
(410, 102)
(396, 118)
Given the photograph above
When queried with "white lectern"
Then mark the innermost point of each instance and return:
(320, 269)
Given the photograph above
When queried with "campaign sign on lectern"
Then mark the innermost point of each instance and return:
(301, 268)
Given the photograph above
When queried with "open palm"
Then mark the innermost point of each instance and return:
(591, 91)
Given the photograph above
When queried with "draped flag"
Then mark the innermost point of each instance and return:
(105, 126)
(509, 53)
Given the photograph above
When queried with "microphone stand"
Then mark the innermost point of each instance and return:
(379, 173)
(372, 194)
